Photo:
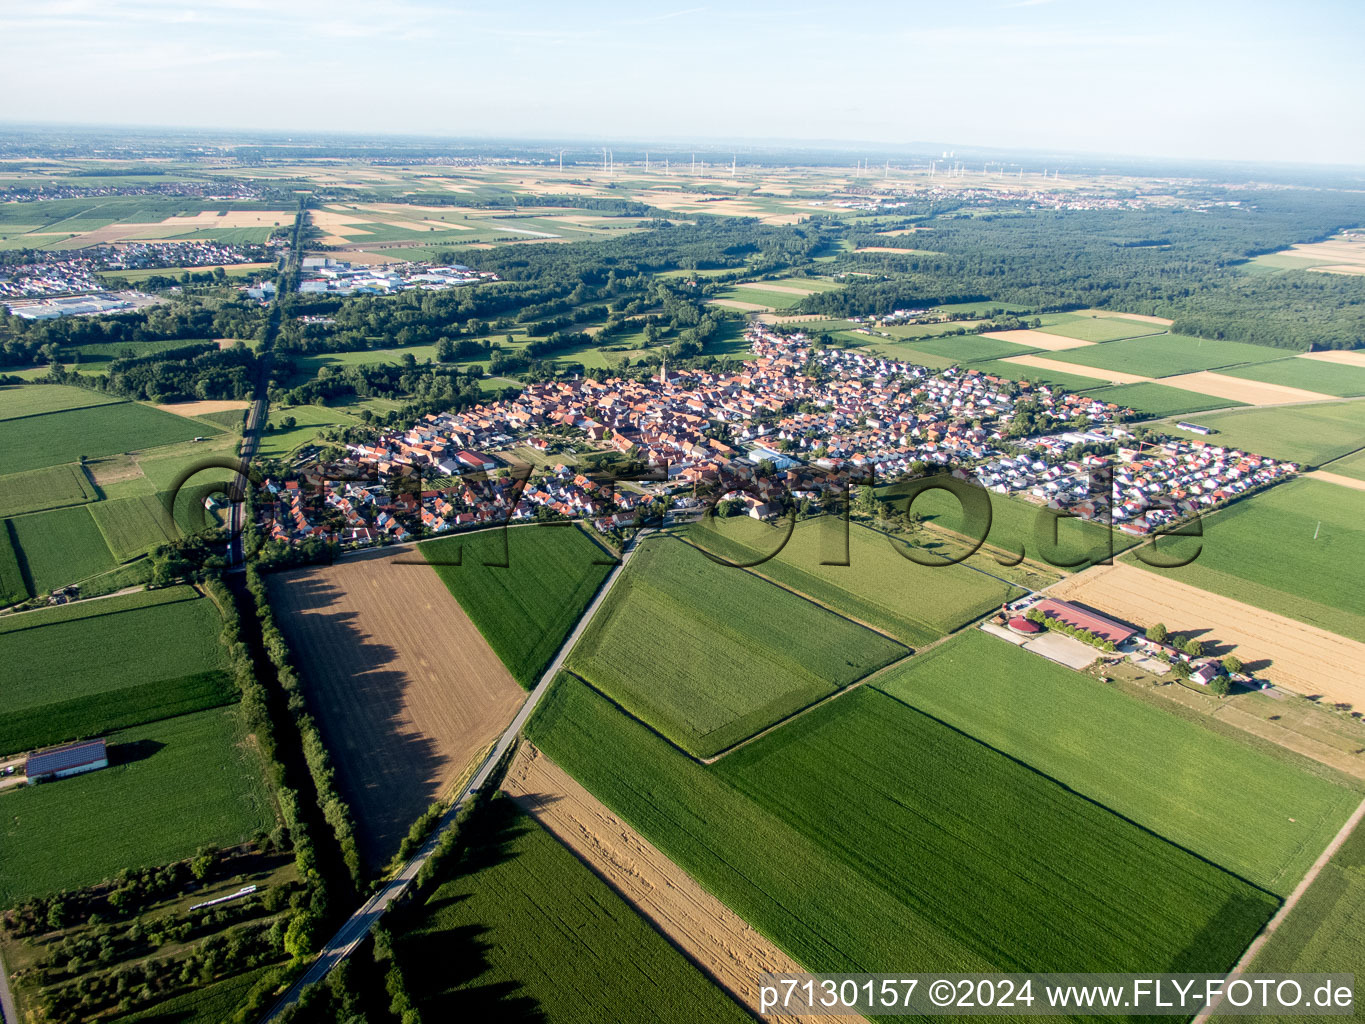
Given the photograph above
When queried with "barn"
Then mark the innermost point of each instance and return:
(60, 762)
(1081, 618)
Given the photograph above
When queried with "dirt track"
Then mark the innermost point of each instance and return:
(1240, 389)
(1300, 657)
(404, 687)
(708, 932)
(1038, 339)
(1077, 369)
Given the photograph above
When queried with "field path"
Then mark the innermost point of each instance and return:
(1289, 904)
(1080, 370)
(1303, 658)
(708, 933)
(1337, 478)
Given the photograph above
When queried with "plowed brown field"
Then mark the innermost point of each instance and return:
(404, 687)
(709, 933)
(1300, 657)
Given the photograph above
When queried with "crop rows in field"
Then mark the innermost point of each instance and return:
(525, 610)
(914, 603)
(133, 525)
(530, 925)
(35, 399)
(57, 437)
(1159, 399)
(1307, 434)
(40, 489)
(1310, 374)
(1164, 355)
(58, 547)
(13, 589)
(709, 654)
(866, 812)
(1100, 329)
(1269, 828)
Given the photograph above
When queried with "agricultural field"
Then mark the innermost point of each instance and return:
(914, 603)
(406, 693)
(208, 1004)
(1158, 399)
(1165, 355)
(1307, 434)
(1038, 375)
(525, 931)
(1100, 329)
(79, 222)
(1310, 527)
(13, 589)
(1292, 654)
(1352, 466)
(969, 348)
(39, 489)
(279, 442)
(93, 355)
(1326, 929)
(525, 610)
(741, 652)
(35, 399)
(814, 834)
(171, 787)
(57, 437)
(1100, 742)
(59, 547)
(1310, 374)
(123, 661)
(132, 526)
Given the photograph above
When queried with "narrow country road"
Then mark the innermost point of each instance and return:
(8, 1012)
(358, 925)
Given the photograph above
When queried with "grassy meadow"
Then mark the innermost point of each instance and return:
(57, 437)
(1165, 355)
(1159, 399)
(1306, 434)
(741, 653)
(1310, 374)
(39, 489)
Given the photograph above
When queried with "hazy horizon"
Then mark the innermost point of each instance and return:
(1163, 81)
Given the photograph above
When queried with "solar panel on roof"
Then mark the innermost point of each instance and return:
(59, 759)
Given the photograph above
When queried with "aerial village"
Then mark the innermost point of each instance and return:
(795, 424)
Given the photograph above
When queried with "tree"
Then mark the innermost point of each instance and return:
(1180, 668)
(1232, 664)
(1157, 633)
(1193, 648)
(914, 522)
(866, 502)
(1220, 685)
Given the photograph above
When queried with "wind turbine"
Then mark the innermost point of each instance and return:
(732, 165)
(561, 160)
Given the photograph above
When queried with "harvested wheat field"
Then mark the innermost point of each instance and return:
(1337, 478)
(714, 937)
(205, 406)
(1057, 366)
(1301, 657)
(404, 687)
(1240, 389)
(895, 249)
(1125, 316)
(1343, 356)
(1038, 339)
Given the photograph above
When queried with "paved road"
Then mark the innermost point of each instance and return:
(358, 925)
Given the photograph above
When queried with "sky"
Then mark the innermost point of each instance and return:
(1195, 79)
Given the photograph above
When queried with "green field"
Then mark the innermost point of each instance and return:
(1310, 374)
(1306, 434)
(13, 589)
(1296, 549)
(132, 526)
(311, 420)
(206, 1004)
(171, 787)
(123, 662)
(526, 610)
(1325, 932)
(57, 437)
(1352, 466)
(741, 652)
(91, 355)
(1014, 371)
(1159, 399)
(39, 489)
(914, 603)
(757, 293)
(35, 399)
(864, 836)
(1141, 761)
(526, 932)
(1167, 354)
(969, 348)
(59, 547)
(1101, 328)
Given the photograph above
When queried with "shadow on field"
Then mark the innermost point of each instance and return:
(387, 773)
(443, 964)
(138, 750)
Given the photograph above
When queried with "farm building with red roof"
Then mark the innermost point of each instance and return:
(1073, 615)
